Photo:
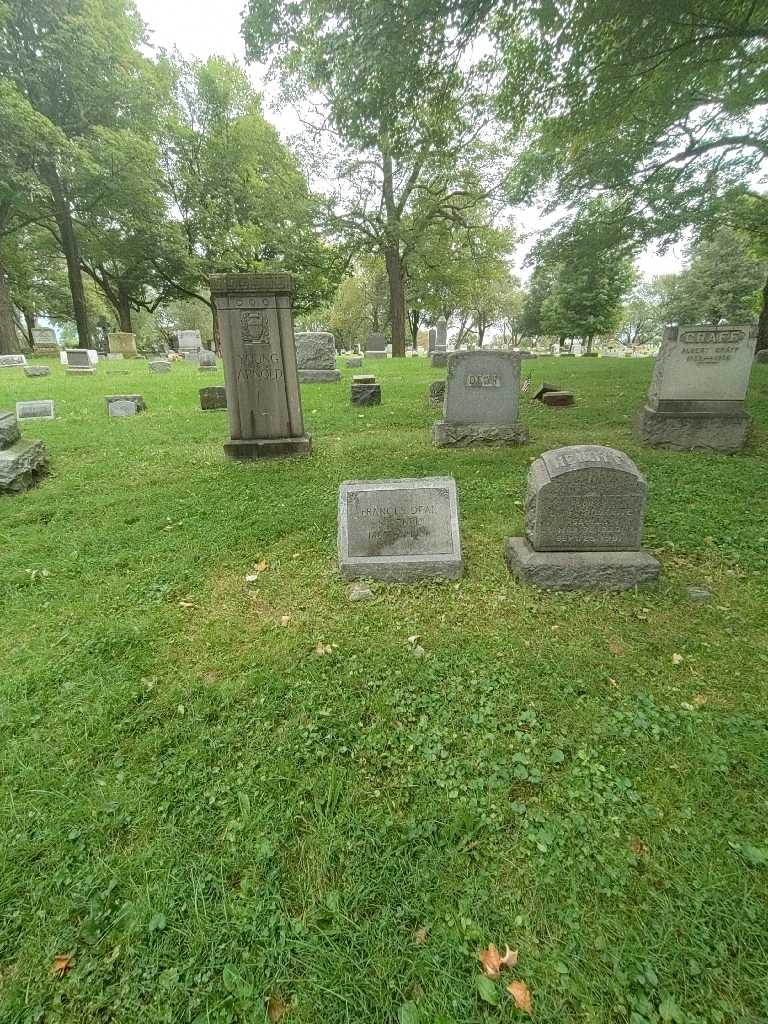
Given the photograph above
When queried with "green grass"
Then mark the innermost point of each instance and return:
(206, 812)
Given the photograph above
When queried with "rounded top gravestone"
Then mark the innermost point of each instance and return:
(585, 497)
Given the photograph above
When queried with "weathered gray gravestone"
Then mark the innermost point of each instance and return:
(316, 357)
(399, 530)
(22, 462)
(762, 356)
(432, 340)
(355, 362)
(436, 394)
(584, 516)
(260, 373)
(206, 361)
(699, 386)
(376, 347)
(37, 371)
(440, 353)
(44, 340)
(78, 362)
(8, 361)
(118, 405)
(159, 366)
(123, 343)
(482, 400)
(36, 410)
(368, 393)
(190, 344)
(213, 398)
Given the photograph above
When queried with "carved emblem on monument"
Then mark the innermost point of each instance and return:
(254, 327)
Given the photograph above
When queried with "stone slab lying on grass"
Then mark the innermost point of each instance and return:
(42, 409)
(9, 429)
(22, 465)
(399, 530)
(119, 405)
(159, 366)
(366, 394)
(213, 398)
(37, 371)
(557, 399)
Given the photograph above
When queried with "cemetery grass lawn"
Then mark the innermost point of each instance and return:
(206, 814)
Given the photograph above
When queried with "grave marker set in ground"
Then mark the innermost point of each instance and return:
(259, 354)
(440, 351)
(123, 343)
(22, 462)
(399, 530)
(10, 361)
(124, 405)
(78, 362)
(213, 398)
(190, 343)
(316, 357)
(376, 347)
(482, 401)
(206, 361)
(365, 390)
(44, 342)
(699, 386)
(42, 409)
(159, 366)
(37, 371)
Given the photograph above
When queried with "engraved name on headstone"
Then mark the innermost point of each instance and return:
(42, 409)
(399, 530)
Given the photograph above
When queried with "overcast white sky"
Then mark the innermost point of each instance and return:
(199, 28)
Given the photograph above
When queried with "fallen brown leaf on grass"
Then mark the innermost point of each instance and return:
(322, 648)
(276, 1008)
(420, 936)
(615, 647)
(677, 659)
(61, 964)
(284, 620)
(699, 700)
(522, 996)
(493, 961)
(186, 604)
(638, 846)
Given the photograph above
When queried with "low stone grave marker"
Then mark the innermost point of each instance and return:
(123, 343)
(22, 462)
(436, 394)
(316, 357)
(366, 392)
(213, 398)
(376, 347)
(206, 361)
(115, 356)
(159, 366)
(35, 410)
(37, 371)
(12, 360)
(78, 362)
(354, 362)
(190, 344)
(482, 400)
(399, 530)
(124, 405)
(762, 356)
(557, 399)
(584, 516)
(699, 386)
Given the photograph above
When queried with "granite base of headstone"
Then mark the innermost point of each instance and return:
(696, 401)
(124, 405)
(23, 462)
(159, 366)
(366, 394)
(482, 401)
(354, 363)
(37, 371)
(584, 517)
(399, 530)
(213, 398)
(316, 357)
(260, 373)
(436, 394)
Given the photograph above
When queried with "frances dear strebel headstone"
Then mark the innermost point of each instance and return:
(697, 393)
(260, 373)
(399, 530)
(584, 516)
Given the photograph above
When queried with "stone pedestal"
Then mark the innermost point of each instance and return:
(260, 373)
(699, 386)
(482, 401)
(316, 357)
(213, 398)
(366, 394)
(557, 399)
(584, 517)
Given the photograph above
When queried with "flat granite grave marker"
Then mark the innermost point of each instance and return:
(584, 516)
(213, 398)
(22, 462)
(190, 344)
(365, 393)
(260, 373)
(316, 357)
(376, 347)
(698, 389)
(35, 410)
(37, 371)
(118, 405)
(159, 366)
(482, 401)
(206, 361)
(355, 362)
(399, 530)
(14, 359)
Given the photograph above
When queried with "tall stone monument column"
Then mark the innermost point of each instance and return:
(259, 355)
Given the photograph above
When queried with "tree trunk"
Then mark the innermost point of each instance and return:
(589, 343)
(762, 323)
(9, 341)
(71, 248)
(124, 309)
(414, 319)
(393, 260)
(481, 328)
(216, 336)
(30, 319)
